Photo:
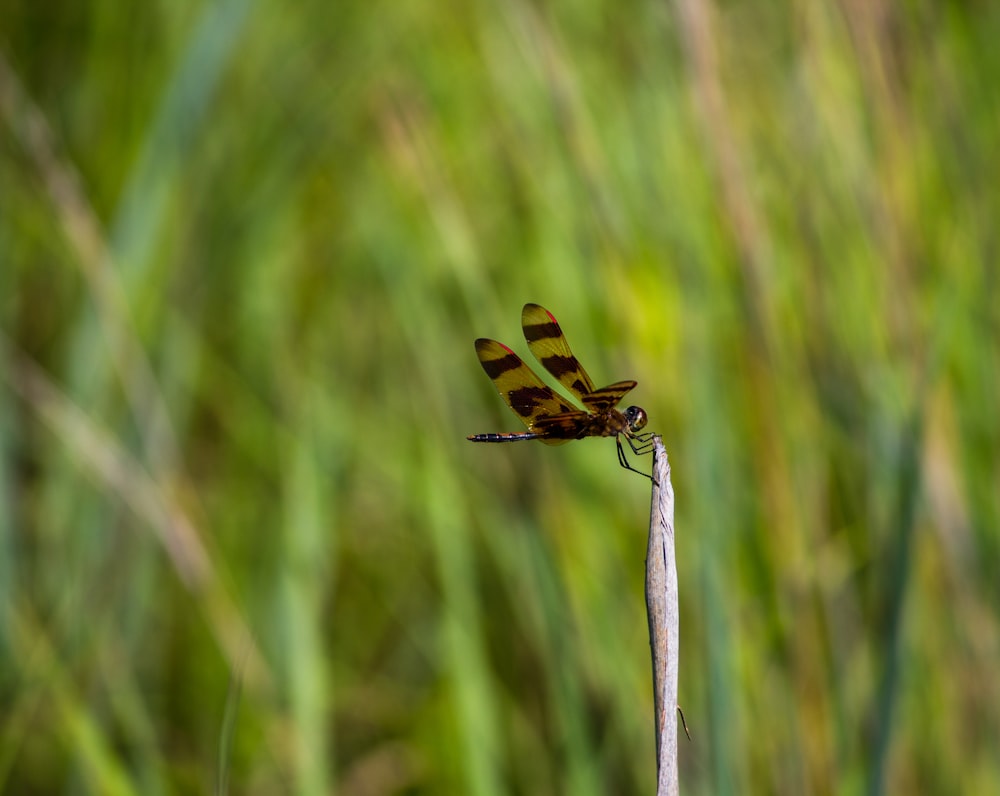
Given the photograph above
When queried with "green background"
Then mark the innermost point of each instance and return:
(245, 248)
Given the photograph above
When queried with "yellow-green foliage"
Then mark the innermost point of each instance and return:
(245, 248)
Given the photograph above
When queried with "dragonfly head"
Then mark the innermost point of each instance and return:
(636, 418)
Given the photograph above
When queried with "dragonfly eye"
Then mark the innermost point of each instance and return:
(635, 417)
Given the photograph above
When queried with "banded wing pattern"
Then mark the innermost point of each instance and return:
(526, 394)
(549, 346)
(548, 416)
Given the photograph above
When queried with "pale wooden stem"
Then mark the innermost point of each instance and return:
(664, 622)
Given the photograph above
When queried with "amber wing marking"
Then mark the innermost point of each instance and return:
(548, 345)
(526, 394)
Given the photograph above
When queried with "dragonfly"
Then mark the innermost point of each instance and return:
(548, 416)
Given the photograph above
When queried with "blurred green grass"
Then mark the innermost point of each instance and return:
(244, 251)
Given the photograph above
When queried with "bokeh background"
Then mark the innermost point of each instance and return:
(245, 248)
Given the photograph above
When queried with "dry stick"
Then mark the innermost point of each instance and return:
(664, 622)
